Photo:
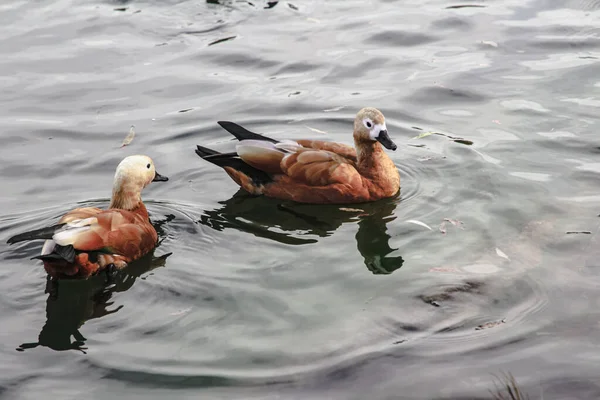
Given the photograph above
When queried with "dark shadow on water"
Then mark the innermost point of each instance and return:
(79, 301)
(302, 224)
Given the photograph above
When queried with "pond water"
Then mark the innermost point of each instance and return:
(486, 265)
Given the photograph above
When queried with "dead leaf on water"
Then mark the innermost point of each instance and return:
(422, 135)
(454, 222)
(181, 312)
(226, 39)
(129, 138)
(443, 227)
(490, 324)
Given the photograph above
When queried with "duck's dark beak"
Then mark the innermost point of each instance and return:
(159, 178)
(385, 140)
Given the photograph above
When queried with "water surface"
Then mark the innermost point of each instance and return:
(494, 107)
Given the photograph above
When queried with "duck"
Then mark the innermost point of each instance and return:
(313, 171)
(88, 240)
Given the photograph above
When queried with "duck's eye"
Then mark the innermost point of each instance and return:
(369, 124)
(148, 166)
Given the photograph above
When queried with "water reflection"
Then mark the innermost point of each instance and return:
(79, 301)
(294, 224)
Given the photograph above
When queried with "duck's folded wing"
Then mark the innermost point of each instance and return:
(340, 149)
(320, 168)
(265, 156)
(116, 231)
(80, 213)
(301, 164)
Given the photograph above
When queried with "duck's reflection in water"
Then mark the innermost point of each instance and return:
(294, 224)
(79, 301)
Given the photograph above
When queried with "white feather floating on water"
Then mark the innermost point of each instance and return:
(316, 130)
(501, 254)
(129, 138)
(414, 221)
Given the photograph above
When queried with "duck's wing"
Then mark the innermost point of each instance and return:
(301, 164)
(340, 149)
(49, 231)
(266, 156)
(116, 231)
(242, 133)
(320, 168)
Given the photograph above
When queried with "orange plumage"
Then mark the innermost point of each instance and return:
(313, 171)
(88, 240)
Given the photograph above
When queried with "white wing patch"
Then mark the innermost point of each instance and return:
(68, 233)
(48, 247)
(288, 146)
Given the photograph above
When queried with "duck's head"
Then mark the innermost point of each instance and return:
(369, 126)
(133, 174)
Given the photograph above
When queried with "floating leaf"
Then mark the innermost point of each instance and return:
(501, 254)
(351, 209)
(422, 135)
(413, 221)
(490, 325)
(222, 40)
(464, 141)
(316, 130)
(454, 222)
(181, 312)
(443, 227)
(129, 138)
(464, 6)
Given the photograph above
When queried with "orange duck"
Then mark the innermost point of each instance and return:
(88, 240)
(313, 171)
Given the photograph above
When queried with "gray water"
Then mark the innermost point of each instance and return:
(493, 105)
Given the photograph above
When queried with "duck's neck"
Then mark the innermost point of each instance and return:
(129, 200)
(371, 158)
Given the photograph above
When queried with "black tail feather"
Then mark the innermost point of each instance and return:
(242, 133)
(66, 253)
(43, 233)
(232, 160)
(205, 151)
